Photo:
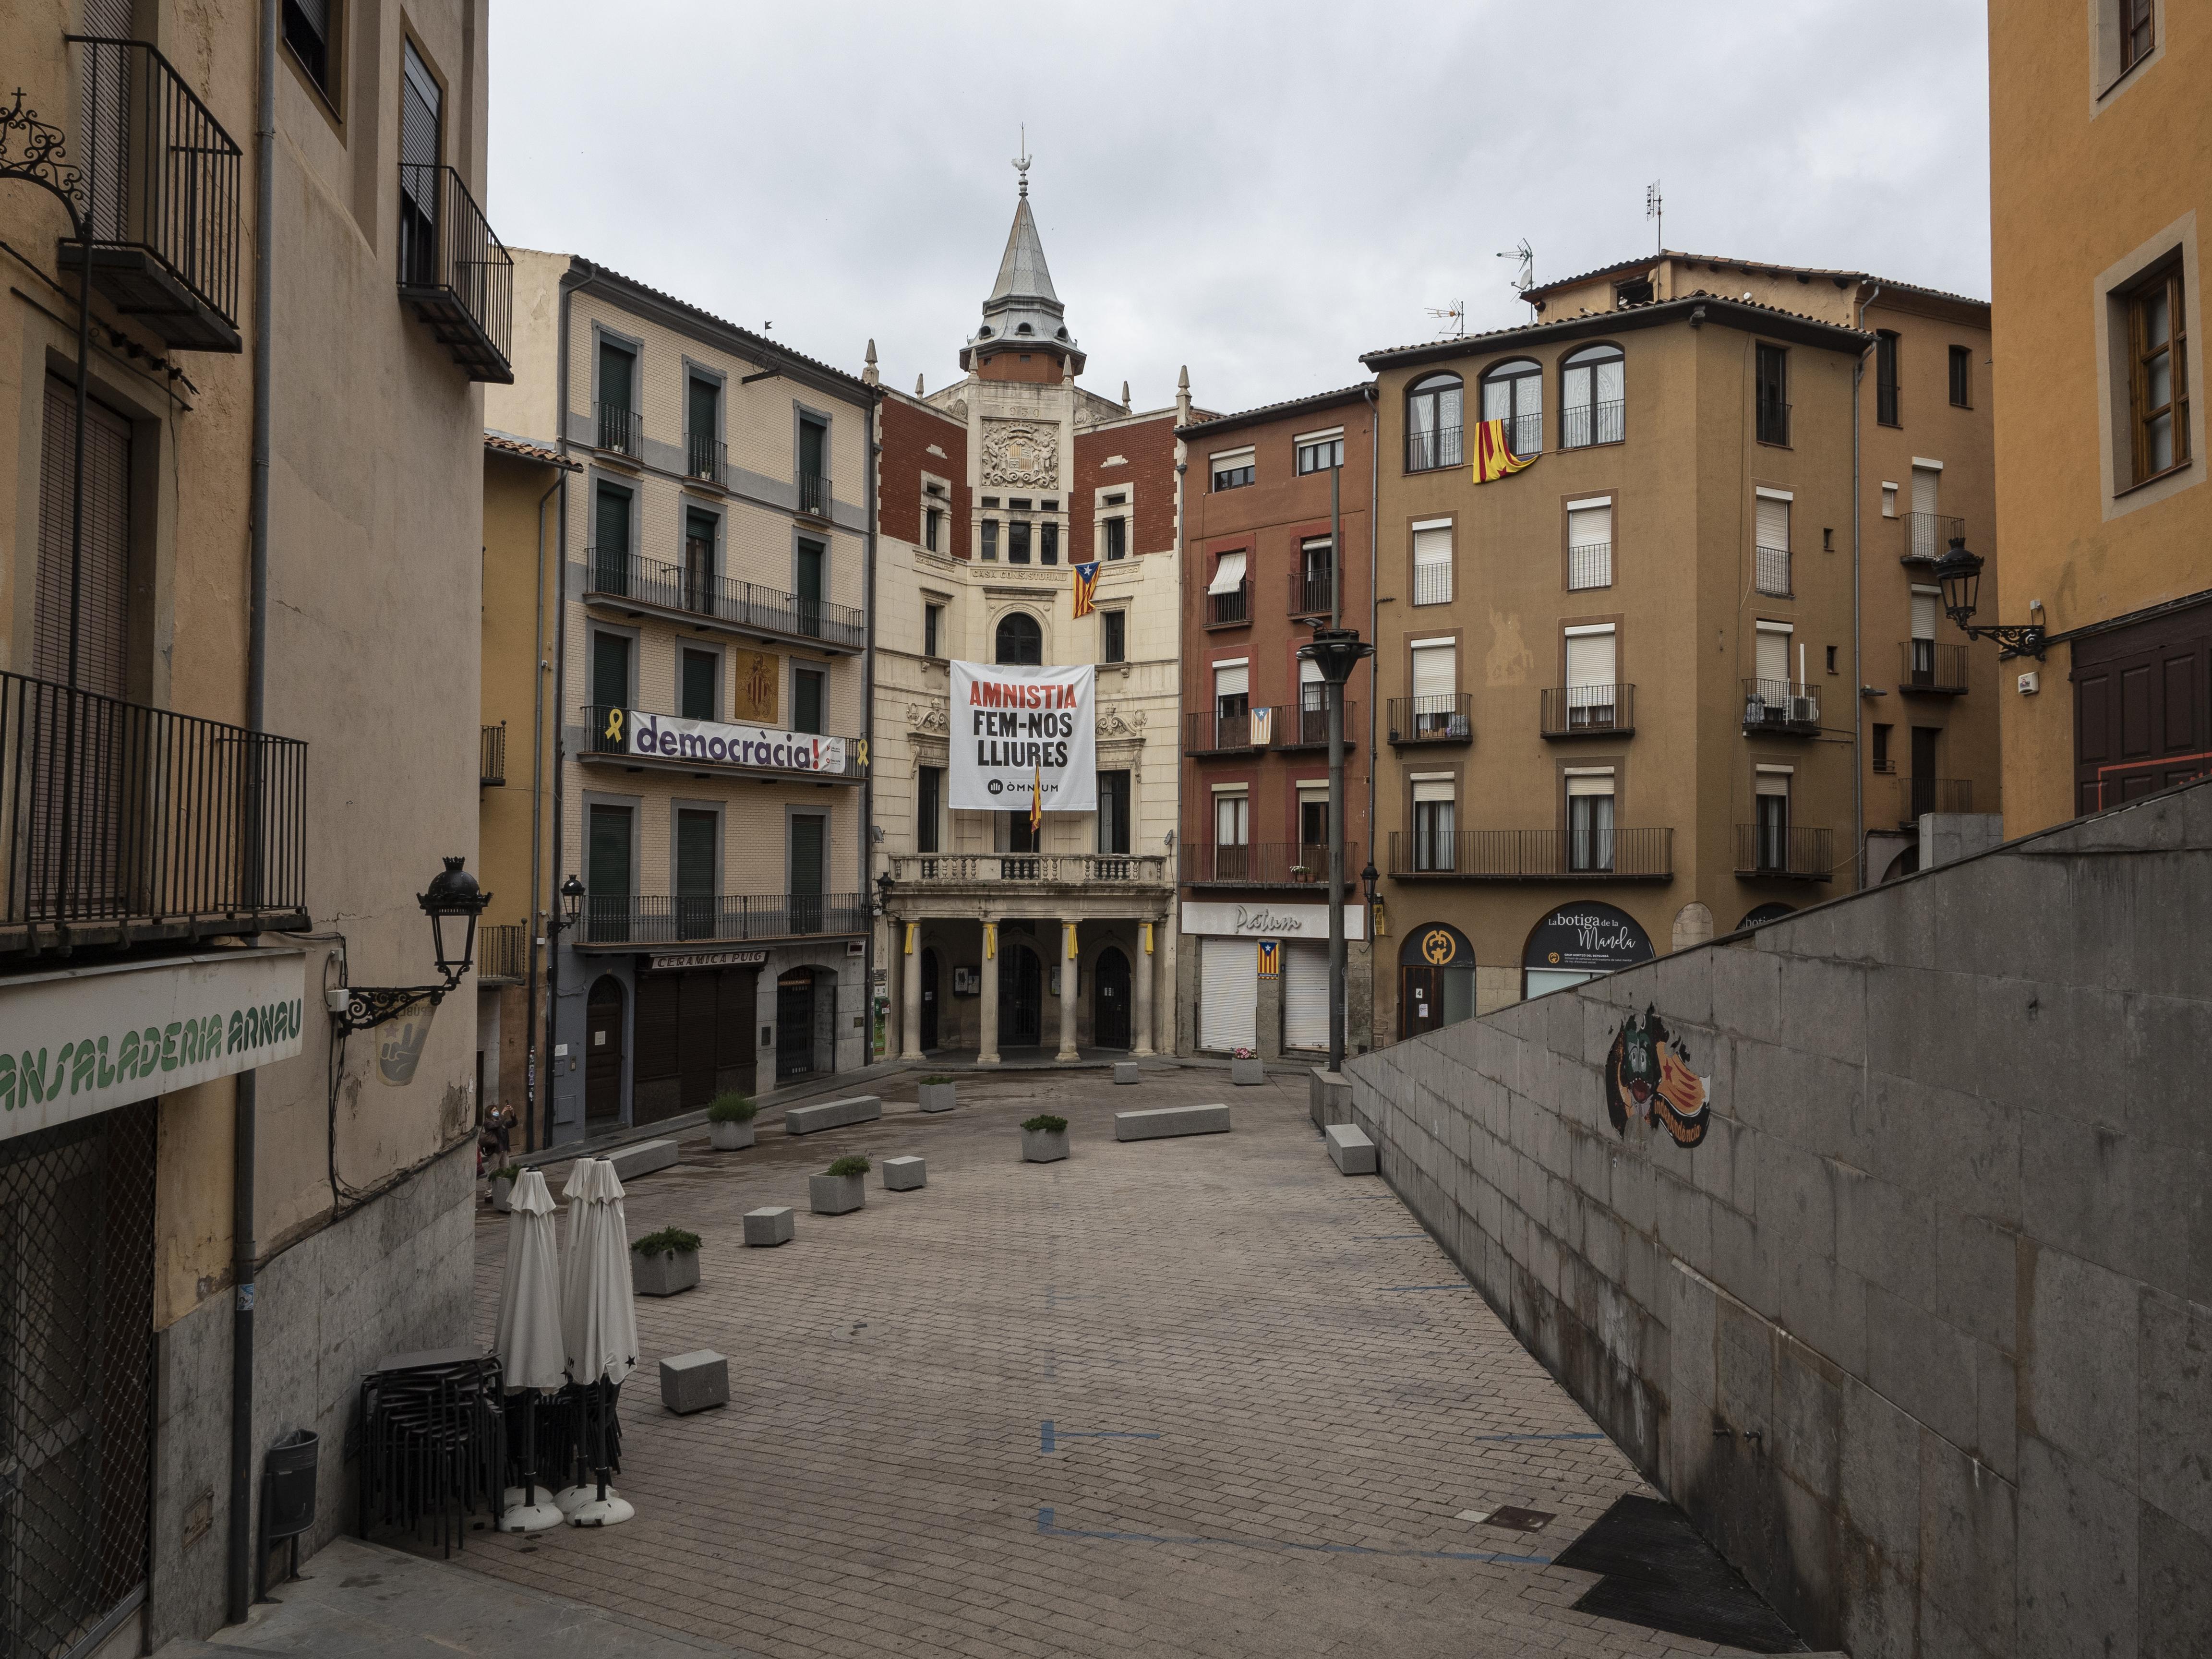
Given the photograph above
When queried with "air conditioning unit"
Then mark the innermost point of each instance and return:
(1804, 711)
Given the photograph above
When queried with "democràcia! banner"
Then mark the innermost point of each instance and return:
(1014, 728)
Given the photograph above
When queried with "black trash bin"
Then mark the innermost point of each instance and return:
(288, 1498)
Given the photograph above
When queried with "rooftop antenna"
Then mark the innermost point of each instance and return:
(1525, 279)
(1654, 210)
(1022, 161)
(1454, 316)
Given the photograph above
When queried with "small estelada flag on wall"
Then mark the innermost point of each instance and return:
(1086, 589)
(1493, 455)
(1271, 958)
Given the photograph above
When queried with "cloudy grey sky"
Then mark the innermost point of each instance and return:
(1261, 192)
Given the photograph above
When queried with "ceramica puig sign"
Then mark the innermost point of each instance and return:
(87, 1040)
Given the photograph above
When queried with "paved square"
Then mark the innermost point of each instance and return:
(1192, 1397)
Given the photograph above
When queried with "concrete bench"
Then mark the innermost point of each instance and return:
(832, 1115)
(767, 1226)
(641, 1158)
(1329, 1097)
(695, 1382)
(1164, 1121)
(905, 1175)
(1125, 1071)
(1350, 1150)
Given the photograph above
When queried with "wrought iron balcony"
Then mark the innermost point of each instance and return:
(1788, 707)
(1038, 869)
(1770, 571)
(1264, 864)
(502, 953)
(1284, 726)
(1441, 718)
(121, 824)
(1782, 853)
(1916, 796)
(707, 457)
(1937, 670)
(454, 271)
(639, 586)
(1589, 711)
(1435, 450)
(1584, 424)
(1231, 608)
(623, 921)
(1925, 538)
(1590, 564)
(491, 763)
(1533, 855)
(1432, 582)
(607, 741)
(157, 183)
(620, 429)
(1310, 593)
(814, 494)
(1773, 421)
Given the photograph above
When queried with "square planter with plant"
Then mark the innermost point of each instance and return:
(1044, 1138)
(730, 1121)
(663, 1263)
(502, 1187)
(1246, 1069)
(936, 1094)
(840, 1189)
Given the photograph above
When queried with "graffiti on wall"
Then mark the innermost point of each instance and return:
(1648, 1075)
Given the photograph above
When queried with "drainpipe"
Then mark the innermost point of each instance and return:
(538, 668)
(1858, 608)
(868, 736)
(243, 1245)
(560, 703)
(1374, 663)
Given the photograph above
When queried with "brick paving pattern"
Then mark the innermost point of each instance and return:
(1265, 1414)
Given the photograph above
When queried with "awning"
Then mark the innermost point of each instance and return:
(1228, 575)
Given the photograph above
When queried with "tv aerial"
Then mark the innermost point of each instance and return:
(1455, 319)
(1525, 277)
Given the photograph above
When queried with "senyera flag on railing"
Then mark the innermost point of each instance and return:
(1020, 735)
(1493, 453)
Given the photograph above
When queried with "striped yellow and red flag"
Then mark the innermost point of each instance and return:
(1493, 453)
(1036, 799)
(1086, 589)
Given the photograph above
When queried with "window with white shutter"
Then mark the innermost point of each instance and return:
(1432, 563)
(1771, 556)
(1592, 674)
(1589, 543)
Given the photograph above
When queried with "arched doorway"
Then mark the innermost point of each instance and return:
(1580, 941)
(928, 1036)
(1436, 979)
(1021, 994)
(1109, 1000)
(604, 1026)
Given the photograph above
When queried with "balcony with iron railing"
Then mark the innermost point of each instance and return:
(1589, 711)
(620, 430)
(1302, 725)
(1934, 669)
(502, 953)
(1264, 864)
(1443, 717)
(1231, 607)
(157, 183)
(492, 756)
(1770, 571)
(1925, 538)
(1782, 853)
(1432, 582)
(1590, 564)
(1784, 708)
(1533, 855)
(454, 271)
(936, 871)
(1771, 422)
(621, 923)
(1917, 796)
(122, 824)
(814, 496)
(607, 741)
(707, 457)
(1582, 425)
(638, 585)
(1435, 449)
(1312, 593)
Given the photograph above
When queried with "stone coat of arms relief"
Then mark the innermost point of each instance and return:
(1021, 455)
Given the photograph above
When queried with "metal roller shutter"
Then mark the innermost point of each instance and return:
(1228, 994)
(1305, 995)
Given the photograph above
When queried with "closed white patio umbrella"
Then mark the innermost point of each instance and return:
(599, 1327)
(531, 1357)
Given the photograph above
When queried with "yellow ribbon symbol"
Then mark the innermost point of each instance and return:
(614, 725)
(864, 751)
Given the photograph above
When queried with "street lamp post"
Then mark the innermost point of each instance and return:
(1959, 573)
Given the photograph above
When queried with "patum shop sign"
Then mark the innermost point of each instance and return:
(663, 737)
(88, 1039)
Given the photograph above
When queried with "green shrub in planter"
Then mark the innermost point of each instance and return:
(936, 1094)
(1044, 1138)
(666, 1263)
(840, 1189)
(501, 1187)
(669, 1241)
(730, 1121)
(851, 1164)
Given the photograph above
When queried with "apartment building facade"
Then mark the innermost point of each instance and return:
(1634, 645)
(232, 764)
(2100, 183)
(709, 671)
(998, 937)
(1271, 494)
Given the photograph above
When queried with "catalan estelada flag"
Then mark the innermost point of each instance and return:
(1086, 589)
(1493, 455)
(1036, 799)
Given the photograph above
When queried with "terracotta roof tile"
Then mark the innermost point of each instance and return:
(502, 444)
(1754, 266)
(1208, 422)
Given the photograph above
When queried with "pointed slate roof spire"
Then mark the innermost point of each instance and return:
(1023, 308)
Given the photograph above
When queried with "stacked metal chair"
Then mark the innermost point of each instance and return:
(434, 1443)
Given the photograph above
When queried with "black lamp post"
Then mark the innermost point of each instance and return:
(1336, 652)
(1960, 574)
(883, 885)
(572, 905)
(454, 901)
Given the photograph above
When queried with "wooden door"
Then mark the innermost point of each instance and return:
(1110, 1001)
(602, 1052)
(929, 1034)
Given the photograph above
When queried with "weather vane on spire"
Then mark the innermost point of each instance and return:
(1022, 161)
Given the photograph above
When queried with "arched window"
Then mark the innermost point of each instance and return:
(1021, 641)
(1514, 393)
(1593, 406)
(1432, 424)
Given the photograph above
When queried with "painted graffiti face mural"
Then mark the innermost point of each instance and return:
(1648, 1075)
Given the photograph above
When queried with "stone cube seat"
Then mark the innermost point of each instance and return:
(768, 1226)
(695, 1382)
(1350, 1150)
(1162, 1122)
(832, 1114)
(1125, 1071)
(905, 1175)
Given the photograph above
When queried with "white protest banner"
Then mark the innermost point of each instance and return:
(634, 732)
(1014, 727)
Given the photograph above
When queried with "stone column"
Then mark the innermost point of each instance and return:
(910, 989)
(1141, 976)
(986, 1049)
(1067, 966)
